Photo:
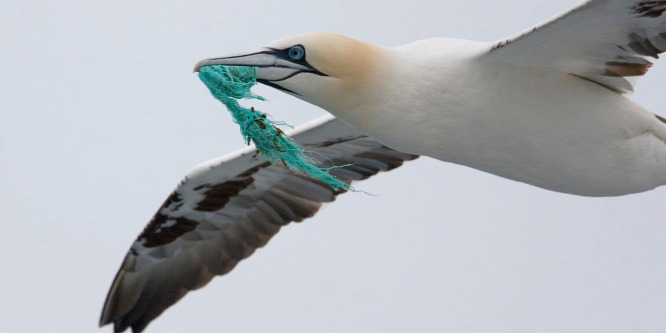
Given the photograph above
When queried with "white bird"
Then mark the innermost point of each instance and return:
(547, 107)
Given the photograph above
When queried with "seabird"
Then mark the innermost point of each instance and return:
(547, 107)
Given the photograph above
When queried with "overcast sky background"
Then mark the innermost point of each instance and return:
(101, 116)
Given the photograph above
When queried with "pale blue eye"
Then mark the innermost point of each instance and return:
(296, 53)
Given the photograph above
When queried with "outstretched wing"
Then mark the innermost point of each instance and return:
(224, 210)
(608, 42)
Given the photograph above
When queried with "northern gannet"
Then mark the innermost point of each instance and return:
(547, 107)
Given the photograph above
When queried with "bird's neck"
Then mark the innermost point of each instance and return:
(409, 86)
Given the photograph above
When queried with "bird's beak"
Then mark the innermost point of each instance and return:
(272, 65)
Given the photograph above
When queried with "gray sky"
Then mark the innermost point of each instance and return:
(102, 117)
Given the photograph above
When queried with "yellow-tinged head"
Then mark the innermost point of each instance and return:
(328, 70)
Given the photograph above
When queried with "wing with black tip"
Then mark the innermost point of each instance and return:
(609, 42)
(227, 208)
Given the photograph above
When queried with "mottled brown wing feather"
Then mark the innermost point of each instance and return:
(608, 42)
(221, 213)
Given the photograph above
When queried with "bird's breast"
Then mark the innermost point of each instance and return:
(543, 128)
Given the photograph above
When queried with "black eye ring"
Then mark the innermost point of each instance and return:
(296, 53)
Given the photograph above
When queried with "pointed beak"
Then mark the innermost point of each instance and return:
(272, 65)
(261, 58)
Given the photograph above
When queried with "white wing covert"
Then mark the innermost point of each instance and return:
(608, 42)
(227, 208)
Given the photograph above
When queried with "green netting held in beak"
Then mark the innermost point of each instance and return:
(228, 84)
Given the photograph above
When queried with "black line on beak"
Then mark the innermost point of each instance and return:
(277, 86)
(242, 55)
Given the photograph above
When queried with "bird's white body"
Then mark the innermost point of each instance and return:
(444, 99)
(547, 107)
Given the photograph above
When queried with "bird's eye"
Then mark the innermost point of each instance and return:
(297, 52)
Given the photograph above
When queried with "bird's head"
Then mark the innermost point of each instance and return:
(328, 70)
